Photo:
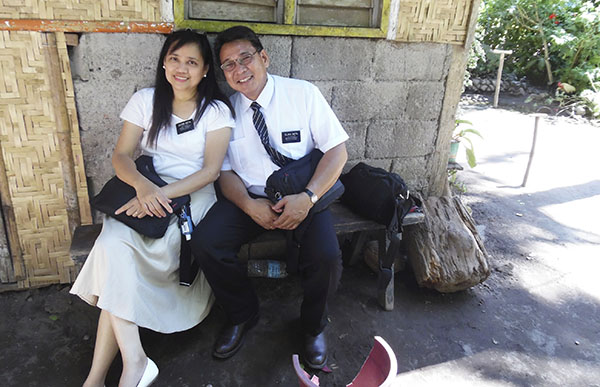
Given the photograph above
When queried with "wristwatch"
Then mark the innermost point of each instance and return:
(313, 198)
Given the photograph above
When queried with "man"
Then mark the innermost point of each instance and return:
(278, 119)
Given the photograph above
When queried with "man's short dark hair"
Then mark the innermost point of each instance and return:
(233, 34)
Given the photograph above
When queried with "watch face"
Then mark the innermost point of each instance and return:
(314, 199)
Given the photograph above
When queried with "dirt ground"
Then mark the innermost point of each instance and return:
(534, 322)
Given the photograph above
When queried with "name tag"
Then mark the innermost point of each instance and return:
(184, 126)
(292, 136)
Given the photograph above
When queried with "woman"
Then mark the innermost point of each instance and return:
(184, 123)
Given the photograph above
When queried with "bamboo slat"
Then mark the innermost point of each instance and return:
(43, 178)
(121, 10)
(440, 21)
(81, 187)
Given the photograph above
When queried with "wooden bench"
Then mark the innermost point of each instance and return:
(355, 228)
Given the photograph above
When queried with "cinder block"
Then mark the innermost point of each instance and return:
(326, 89)
(356, 143)
(400, 138)
(427, 61)
(379, 163)
(317, 58)
(414, 172)
(361, 101)
(279, 50)
(390, 61)
(107, 70)
(410, 61)
(424, 100)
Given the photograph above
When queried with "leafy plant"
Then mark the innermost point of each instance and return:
(551, 39)
(462, 134)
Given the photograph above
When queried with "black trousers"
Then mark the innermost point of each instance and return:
(217, 240)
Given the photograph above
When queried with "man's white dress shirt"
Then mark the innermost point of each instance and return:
(298, 119)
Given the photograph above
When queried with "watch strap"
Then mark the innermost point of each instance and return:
(313, 198)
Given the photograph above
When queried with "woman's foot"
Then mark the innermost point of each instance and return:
(150, 374)
(133, 371)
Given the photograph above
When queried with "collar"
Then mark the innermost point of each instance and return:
(264, 98)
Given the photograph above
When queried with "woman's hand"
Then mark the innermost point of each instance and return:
(152, 199)
(132, 208)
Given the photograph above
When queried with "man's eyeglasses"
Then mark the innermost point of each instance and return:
(244, 60)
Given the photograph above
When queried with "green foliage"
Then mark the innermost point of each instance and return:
(591, 99)
(476, 56)
(454, 183)
(552, 40)
(462, 135)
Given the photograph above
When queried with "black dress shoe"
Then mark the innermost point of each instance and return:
(315, 350)
(231, 338)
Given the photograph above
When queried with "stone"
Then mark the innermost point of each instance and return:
(97, 60)
(356, 143)
(316, 58)
(279, 50)
(400, 138)
(410, 61)
(446, 252)
(379, 163)
(360, 101)
(425, 100)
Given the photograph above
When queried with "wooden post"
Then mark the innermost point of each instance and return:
(535, 128)
(499, 77)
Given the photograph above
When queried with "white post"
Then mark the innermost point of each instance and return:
(535, 129)
(499, 77)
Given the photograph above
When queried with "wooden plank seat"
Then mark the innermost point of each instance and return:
(347, 224)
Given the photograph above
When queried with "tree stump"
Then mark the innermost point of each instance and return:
(446, 252)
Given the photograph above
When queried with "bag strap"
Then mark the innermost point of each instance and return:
(188, 269)
(393, 233)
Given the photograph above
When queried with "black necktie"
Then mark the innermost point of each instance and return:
(261, 128)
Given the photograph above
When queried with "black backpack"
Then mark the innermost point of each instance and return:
(377, 194)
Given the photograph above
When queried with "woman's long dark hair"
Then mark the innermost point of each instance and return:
(208, 90)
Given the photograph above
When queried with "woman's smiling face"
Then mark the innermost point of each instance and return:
(185, 67)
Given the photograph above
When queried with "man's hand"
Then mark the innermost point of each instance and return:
(295, 209)
(262, 214)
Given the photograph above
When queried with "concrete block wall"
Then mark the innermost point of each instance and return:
(387, 95)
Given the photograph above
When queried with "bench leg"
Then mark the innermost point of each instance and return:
(385, 282)
(356, 244)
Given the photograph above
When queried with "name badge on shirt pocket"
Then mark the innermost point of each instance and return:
(291, 136)
(184, 126)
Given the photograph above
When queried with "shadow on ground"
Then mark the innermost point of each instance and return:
(534, 322)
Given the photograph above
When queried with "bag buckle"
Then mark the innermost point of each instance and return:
(185, 222)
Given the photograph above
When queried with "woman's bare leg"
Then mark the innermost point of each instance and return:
(132, 353)
(104, 352)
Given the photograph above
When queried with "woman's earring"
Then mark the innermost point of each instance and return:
(164, 68)
(204, 76)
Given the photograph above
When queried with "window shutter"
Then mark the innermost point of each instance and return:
(266, 11)
(347, 13)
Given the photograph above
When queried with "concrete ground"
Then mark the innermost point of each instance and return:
(534, 322)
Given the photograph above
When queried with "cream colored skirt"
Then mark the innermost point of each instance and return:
(136, 278)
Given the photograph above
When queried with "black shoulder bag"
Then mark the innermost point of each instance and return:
(382, 196)
(292, 179)
(116, 192)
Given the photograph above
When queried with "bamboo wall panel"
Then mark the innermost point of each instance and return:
(37, 147)
(78, 162)
(121, 10)
(441, 21)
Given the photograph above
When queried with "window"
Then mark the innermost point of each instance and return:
(366, 18)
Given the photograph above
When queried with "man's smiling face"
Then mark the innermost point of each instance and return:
(248, 79)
